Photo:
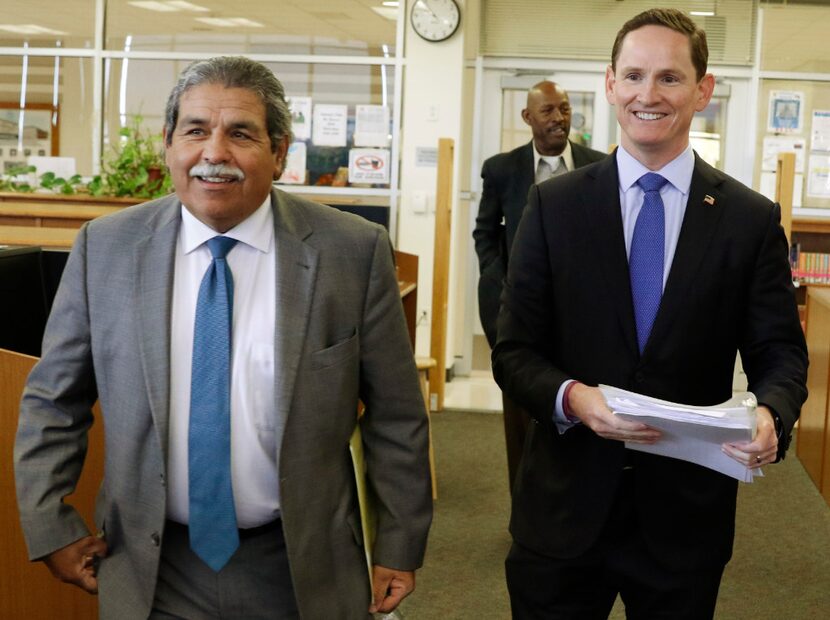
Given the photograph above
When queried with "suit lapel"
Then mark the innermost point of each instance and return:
(603, 218)
(296, 276)
(154, 265)
(526, 175)
(703, 212)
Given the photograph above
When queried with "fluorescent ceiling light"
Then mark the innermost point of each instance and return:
(392, 3)
(29, 29)
(161, 7)
(168, 6)
(702, 13)
(230, 22)
(187, 6)
(386, 12)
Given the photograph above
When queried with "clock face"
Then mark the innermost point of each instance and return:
(435, 20)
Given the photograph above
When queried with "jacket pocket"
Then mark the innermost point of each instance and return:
(336, 354)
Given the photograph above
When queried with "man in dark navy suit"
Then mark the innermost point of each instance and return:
(647, 271)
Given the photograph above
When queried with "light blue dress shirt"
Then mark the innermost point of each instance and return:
(675, 195)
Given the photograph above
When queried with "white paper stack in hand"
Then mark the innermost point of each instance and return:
(691, 433)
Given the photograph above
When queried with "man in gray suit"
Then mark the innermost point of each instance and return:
(316, 323)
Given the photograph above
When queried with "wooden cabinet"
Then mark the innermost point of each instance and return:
(28, 590)
(813, 446)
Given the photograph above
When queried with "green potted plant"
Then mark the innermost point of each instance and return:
(135, 167)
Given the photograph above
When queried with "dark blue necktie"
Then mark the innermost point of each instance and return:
(213, 531)
(647, 256)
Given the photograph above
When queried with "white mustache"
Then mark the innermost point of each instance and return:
(217, 170)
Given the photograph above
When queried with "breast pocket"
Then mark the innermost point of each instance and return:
(336, 354)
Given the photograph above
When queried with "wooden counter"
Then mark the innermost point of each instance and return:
(813, 446)
(50, 238)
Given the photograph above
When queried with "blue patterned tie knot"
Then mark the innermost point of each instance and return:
(649, 182)
(214, 536)
(647, 256)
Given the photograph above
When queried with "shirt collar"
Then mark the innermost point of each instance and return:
(566, 155)
(678, 171)
(257, 230)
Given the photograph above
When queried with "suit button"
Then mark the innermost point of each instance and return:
(155, 538)
(639, 377)
(161, 479)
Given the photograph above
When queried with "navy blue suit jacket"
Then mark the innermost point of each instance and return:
(567, 313)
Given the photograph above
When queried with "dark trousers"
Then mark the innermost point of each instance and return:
(255, 583)
(585, 587)
(516, 421)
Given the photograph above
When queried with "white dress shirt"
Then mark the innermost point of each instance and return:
(255, 429)
(553, 160)
(675, 195)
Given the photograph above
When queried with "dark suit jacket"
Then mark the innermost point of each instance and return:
(507, 178)
(567, 313)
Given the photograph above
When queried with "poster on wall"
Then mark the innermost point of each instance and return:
(300, 117)
(295, 162)
(369, 166)
(768, 187)
(786, 111)
(818, 180)
(329, 125)
(773, 145)
(371, 125)
(820, 131)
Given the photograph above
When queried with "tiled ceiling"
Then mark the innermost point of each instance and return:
(337, 20)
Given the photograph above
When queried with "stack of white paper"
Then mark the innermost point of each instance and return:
(691, 433)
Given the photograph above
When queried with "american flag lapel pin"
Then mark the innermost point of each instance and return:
(709, 200)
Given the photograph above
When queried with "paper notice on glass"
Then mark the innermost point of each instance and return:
(691, 433)
(371, 125)
(786, 111)
(300, 117)
(773, 145)
(329, 125)
(295, 162)
(768, 187)
(369, 166)
(818, 178)
(820, 131)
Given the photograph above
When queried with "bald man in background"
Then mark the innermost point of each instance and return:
(507, 178)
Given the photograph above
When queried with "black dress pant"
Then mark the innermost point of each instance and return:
(585, 587)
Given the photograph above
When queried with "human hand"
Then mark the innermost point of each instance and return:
(390, 587)
(588, 404)
(77, 563)
(761, 450)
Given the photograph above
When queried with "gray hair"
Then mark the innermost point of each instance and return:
(234, 72)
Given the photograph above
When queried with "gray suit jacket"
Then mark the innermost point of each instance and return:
(340, 337)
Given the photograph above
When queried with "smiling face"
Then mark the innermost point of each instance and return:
(656, 93)
(548, 113)
(220, 155)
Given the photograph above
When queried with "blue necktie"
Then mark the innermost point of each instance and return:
(213, 531)
(647, 256)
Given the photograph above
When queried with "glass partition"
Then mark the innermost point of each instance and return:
(45, 110)
(350, 95)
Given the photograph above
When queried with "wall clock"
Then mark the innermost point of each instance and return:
(435, 20)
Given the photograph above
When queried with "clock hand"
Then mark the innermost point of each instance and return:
(424, 3)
